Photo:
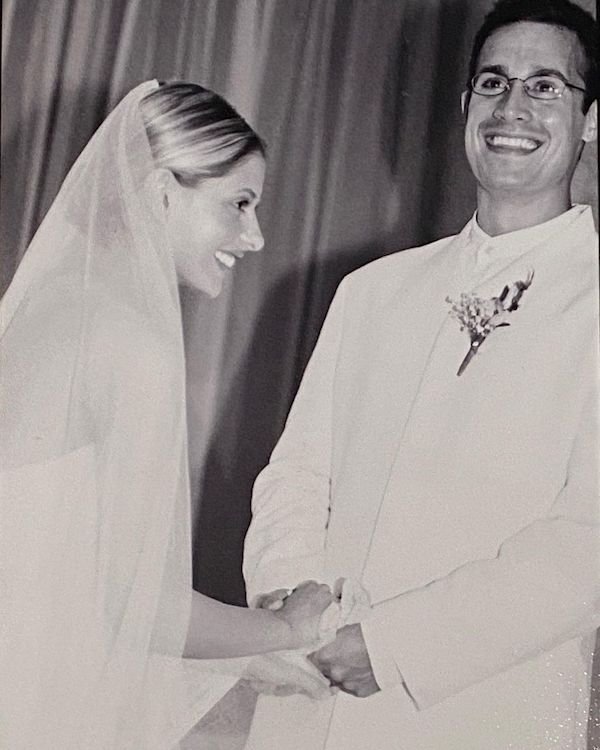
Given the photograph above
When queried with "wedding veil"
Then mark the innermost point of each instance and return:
(95, 560)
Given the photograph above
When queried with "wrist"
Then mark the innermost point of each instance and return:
(289, 636)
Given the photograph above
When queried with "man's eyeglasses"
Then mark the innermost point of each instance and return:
(537, 87)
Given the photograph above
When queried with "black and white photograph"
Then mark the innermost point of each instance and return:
(299, 375)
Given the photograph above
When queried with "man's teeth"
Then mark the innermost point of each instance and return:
(525, 144)
(226, 258)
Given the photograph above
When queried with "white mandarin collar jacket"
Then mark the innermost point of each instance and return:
(467, 506)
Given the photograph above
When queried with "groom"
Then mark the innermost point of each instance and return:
(443, 446)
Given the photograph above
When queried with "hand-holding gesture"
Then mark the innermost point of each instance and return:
(346, 664)
(301, 609)
(345, 661)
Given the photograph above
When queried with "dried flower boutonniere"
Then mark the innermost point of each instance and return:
(480, 316)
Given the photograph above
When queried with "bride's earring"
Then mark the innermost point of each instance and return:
(161, 179)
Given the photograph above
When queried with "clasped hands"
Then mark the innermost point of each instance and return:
(345, 661)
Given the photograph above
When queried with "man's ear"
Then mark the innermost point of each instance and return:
(590, 128)
(464, 103)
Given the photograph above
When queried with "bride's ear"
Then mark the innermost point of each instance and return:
(162, 186)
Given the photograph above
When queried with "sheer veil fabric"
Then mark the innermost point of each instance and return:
(95, 535)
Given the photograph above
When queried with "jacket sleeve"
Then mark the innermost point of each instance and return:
(290, 503)
(541, 590)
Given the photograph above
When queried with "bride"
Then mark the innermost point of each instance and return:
(95, 568)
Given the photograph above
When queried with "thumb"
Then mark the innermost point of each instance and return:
(272, 601)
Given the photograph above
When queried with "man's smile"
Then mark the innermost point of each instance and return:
(515, 143)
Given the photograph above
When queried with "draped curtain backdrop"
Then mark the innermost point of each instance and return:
(358, 101)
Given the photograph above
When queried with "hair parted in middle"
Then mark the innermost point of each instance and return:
(195, 133)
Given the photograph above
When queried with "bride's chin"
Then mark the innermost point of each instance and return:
(212, 294)
(211, 288)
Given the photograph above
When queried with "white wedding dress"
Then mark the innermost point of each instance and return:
(95, 536)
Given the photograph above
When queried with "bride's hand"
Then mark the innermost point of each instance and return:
(302, 611)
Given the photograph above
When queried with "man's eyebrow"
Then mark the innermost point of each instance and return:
(550, 72)
(499, 69)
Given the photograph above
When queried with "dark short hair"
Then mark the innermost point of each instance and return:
(561, 13)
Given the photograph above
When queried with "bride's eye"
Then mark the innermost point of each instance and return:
(242, 204)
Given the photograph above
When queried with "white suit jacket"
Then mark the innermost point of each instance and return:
(467, 505)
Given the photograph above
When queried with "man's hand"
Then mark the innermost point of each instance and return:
(346, 663)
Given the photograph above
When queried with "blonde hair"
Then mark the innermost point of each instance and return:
(195, 133)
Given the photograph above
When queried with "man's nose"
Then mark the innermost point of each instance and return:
(514, 103)
(252, 235)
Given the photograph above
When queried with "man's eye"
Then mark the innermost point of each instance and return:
(489, 83)
(493, 82)
(545, 85)
(242, 204)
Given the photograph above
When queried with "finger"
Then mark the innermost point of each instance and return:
(322, 594)
(364, 691)
(274, 605)
(313, 585)
(347, 687)
(338, 675)
(326, 655)
(359, 689)
(354, 688)
(306, 586)
(273, 600)
(324, 590)
(318, 593)
(321, 666)
(319, 658)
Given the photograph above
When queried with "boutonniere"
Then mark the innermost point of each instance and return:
(481, 316)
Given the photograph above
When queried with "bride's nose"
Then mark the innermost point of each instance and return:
(252, 236)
